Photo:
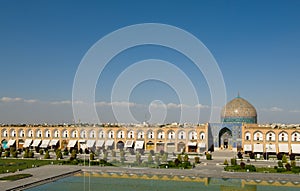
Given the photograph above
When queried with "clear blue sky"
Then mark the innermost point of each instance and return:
(255, 43)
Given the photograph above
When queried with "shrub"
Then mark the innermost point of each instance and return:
(225, 162)
(66, 152)
(243, 165)
(208, 156)
(233, 162)
(293, 163)
(186, 158)
(296, 169)
(31, 154)
(164, 157)
(179, 157)
(6, 154)
(284, 159)
(47, 155)
(240, 155)
(251, 168)
(177, 162)
(281, 170)
(288, 167)
(15, 154)
(280, 165)
(197, 160)
(41, 152)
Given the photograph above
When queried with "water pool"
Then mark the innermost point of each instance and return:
(131, 182)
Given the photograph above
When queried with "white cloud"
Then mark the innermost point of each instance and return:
(117, 104)
(64, 102)
(295, 111)
(272, 109)
(17, 99)
(200, 106)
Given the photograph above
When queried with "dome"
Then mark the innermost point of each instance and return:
(239, 110)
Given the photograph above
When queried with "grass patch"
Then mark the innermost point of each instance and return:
(16, 177)
(13, 165)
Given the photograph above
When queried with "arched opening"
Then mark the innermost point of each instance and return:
(225, 137)
(120, 145)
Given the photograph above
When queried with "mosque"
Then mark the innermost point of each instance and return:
(237, 131)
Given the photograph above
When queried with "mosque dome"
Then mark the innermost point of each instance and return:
(239, 110)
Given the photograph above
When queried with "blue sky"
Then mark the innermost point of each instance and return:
(255, 43)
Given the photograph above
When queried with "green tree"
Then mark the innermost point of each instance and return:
(122, 156)
(164, 157)
(47, 155)
(59, 154)
(157, 159)
(284, 159)
(92, 156)
(138, 158)
(73, 155)
(150, 158)
(186, 158)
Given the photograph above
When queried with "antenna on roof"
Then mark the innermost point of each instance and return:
(238, 94)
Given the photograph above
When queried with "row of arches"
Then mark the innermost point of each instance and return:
(102, 134)
(272, 136)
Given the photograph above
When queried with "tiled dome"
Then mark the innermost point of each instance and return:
(239, 110)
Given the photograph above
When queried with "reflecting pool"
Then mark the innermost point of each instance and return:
(132, 182)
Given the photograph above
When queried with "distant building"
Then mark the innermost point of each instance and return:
(238, 131)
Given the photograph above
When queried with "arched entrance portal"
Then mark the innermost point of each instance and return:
(225, 138)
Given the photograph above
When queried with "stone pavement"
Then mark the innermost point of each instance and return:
(41, 175)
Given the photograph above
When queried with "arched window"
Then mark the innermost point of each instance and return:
(160, 135)
(30, 133)
(22, 133)
(5, 134)
(101, 135)
(247, 136)
(131, 134)
(271, 136)
(83, 134)
(192, 135)
(13, 133)
(120, 134)
(202, 135)
(150, 135)
(39, 133)
(111, 134)
(141, 135)
(48, 133)
(296, 136)
(258, 136)
(56, 133)
(65, 134)
(181, 135)
(74, 134)
(283, 136)
(92, 134)
(171, 135)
